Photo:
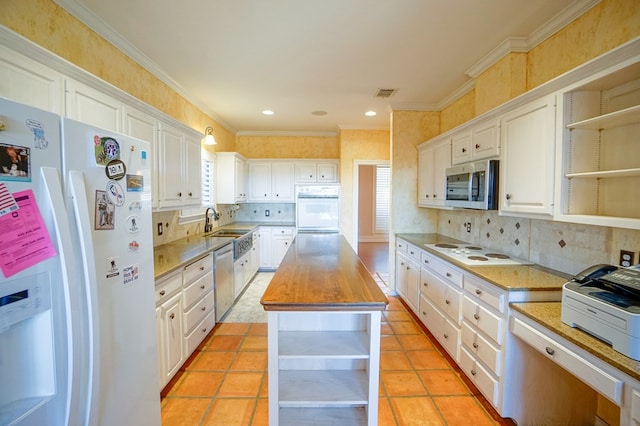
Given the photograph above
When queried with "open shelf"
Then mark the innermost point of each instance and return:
(614, 119)
(323, 388)
(324, 344)
(356, 416)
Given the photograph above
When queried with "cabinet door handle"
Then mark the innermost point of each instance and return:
(464, 150)
(508, 196)
(477, 146)
(447, 302)
(162, 292)
(204, 330)
(445, 335)
(424, 313)
(179, 194)
(475, 345)
(204, 308)
(476, 316)
(172, 316)
(478, 291)
(473, 372)
(426, 261)
(202, 286)
(549, 350)
(448, 274)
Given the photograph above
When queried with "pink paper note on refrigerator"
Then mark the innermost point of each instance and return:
(24, 239)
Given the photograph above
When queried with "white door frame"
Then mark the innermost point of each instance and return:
(356, 185)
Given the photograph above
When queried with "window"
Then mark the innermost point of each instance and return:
(382, 191)
(208, 190)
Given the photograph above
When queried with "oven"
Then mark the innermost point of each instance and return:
(318, 208)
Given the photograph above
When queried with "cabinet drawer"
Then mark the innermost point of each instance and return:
(598, 379)
(200, 332)
(447, 271)
(480, 377)
(198, 289)
(482, 349)
(414, 252)
(484, 320)
(445, 297)
(484, 292)
(442, 329)
(282, 231)
(401, 246)
(168, 286)
(195, 314)
(197, 268)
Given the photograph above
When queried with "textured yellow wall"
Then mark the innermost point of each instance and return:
(357, 145)
(505, 80)
(50, 26)
(288, 146)
(458, 112)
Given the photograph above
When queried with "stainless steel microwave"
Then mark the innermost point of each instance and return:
(473, 185)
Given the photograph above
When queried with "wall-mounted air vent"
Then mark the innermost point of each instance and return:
(385, 93)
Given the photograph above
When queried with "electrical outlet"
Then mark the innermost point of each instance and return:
(267, 213)
(160, 230)
(467, 225)
(626, 258)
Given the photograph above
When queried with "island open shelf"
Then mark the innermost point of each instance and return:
(324, 313)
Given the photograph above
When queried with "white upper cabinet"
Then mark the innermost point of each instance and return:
(600, 171)
(231, 178)
(479, 142)
(91, 106)
(29, 82)
(271, 181)
(143, 126)
(316, 172)
(433, 159)
(179, 168)
(527, 162)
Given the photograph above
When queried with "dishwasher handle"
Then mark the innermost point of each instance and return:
(224, 249)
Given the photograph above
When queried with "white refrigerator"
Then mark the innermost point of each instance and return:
(77, 313)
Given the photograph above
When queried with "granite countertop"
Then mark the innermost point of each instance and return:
(176, 254)
(510, 278)
(548, 314)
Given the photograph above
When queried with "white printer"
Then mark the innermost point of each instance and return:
(604, 301)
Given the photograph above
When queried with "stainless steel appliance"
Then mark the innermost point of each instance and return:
(318, 208)
(224, 290)
(604, 301)
(473, 255)
(473, 185)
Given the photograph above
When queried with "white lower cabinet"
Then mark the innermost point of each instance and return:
(242, 273)
(323, 367)
(274, 243)
(407, 279)
(185, 314)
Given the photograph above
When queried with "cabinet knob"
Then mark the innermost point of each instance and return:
(426, 196)
(191, 194)
(408, 268)
(476, 316)
(162, 292)
(202, 286)
(426, 261)
(179, 194)
(202, 268)
(549, 350)
(448, 274)
(475, 345)
(204, 330)
(508, 196)
(172, 316)
(204, 308)
(424, 313)
(445, 335)
(425, 284)
(477, 146)
(435, 196)
(473, 372)
(447, 301)
(464, 150)
(411, 252)
(478, 291)
(265, 195)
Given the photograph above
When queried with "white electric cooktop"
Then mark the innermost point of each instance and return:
(473, 255)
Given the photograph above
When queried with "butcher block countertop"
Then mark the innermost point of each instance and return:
(321, 272)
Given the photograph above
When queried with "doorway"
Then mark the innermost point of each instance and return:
(371, 214)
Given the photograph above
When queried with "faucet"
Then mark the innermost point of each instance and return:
(207, 224)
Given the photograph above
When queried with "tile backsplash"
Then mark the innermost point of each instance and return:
(566, 247)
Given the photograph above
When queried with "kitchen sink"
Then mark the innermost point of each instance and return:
(230, 233)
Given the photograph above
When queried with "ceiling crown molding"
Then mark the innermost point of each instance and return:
(90, 19)
(284, 133)
(525, 44)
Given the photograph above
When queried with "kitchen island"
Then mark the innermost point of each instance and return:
(324, 312)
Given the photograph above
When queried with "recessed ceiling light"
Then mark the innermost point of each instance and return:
(370, 113)
(268, 112)
(319, 112)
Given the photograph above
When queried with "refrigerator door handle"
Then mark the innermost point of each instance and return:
(79, 201)
(53, 189)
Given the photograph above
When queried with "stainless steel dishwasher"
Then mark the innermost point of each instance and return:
(224, 291)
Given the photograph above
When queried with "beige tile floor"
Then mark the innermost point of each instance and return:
(225, 380)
